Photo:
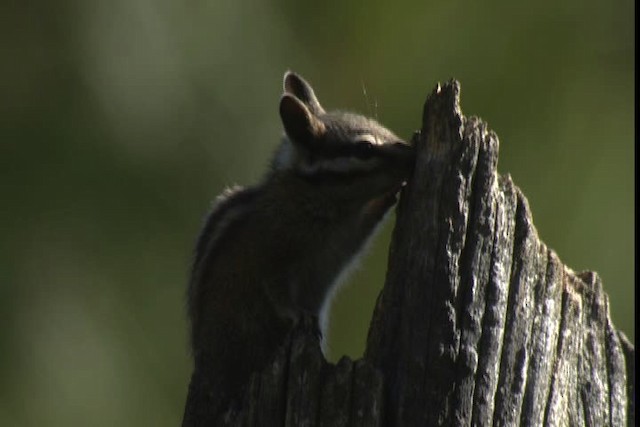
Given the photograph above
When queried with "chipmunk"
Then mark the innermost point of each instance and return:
(272, 253)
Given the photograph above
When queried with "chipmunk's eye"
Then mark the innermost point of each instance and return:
(364, 150)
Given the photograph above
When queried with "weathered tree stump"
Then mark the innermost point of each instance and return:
(479, 323)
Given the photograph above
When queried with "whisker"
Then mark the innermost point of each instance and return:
(375, 107)
(366, 97)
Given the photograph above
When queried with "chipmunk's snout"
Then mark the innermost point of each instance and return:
(400, 152)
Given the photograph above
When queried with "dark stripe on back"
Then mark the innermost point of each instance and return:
(206, 248)
(231, 199)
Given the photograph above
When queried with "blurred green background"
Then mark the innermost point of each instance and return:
(122, 120)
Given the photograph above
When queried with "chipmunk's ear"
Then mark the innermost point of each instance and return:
(298, 87)
(300, 124)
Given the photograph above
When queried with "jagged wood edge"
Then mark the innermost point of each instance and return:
(531, 361)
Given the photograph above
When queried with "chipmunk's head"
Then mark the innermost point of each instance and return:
(343, 151)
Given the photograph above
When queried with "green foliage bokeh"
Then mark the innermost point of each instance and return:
(122, 120)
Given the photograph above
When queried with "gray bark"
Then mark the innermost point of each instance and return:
(479, 323)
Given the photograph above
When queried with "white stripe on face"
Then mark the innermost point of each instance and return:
(370, 138)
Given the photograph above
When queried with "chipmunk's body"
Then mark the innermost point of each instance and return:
(272, 253)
